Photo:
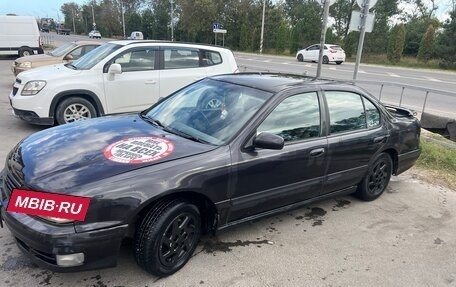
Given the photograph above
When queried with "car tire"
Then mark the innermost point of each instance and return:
(338, 62)
(325, 60)
(167, 236)
(300, 58)
(74, 109)
(25, 51)
(376, 179)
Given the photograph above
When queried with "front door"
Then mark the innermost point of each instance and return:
(266, 179)
(137, 87)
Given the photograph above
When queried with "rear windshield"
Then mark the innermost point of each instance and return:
(60, 51)
(335, 47)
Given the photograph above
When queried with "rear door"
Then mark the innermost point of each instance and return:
(180, 66)
(137, 87)
(356, 133)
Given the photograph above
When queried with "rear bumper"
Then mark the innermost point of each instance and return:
(407, 160)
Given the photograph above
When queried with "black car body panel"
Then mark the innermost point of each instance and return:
(234, 180)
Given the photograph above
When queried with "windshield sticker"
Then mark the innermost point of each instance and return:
(139, 150)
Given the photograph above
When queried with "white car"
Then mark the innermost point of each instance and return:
(95, 34)
(332, 53)
(117, 77)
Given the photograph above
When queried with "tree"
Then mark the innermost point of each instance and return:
(396, 43)
(446, 43)
(425, 51)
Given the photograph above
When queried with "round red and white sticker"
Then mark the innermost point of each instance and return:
(139, 150)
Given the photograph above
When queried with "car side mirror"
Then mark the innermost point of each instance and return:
(115, 69)
(267, 140)
(68, 57)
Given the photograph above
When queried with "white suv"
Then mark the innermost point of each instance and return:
(331, 53)
(119, 76)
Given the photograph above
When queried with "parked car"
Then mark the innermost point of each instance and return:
(219, 152)
(66, 53)
(19, 35)
(332, 53)
(136, 35)
(95, 34)
(119, 76)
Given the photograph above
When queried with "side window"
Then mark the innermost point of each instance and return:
(76, 53)
(372, 114)
(180, 58)
(136, 60)
(295, 118)
(210, 58)
(89, 48)
(346, 111)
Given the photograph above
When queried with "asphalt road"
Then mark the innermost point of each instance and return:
(405, 238)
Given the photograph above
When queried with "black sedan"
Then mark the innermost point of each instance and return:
(222, 151)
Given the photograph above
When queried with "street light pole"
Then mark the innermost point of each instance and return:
(262, 28)
(359, 52)
(323, 36)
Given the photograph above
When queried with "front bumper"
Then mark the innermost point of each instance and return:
(42, 241)
(32, 117)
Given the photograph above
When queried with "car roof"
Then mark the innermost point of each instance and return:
(183, 44)
(87, 42)
(273, 82)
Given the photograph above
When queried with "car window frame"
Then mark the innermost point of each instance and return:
(246, 141)
(162, 56)
(362, 97)
(130, 49)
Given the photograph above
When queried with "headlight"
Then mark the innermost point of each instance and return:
(25, 65)
(55, 219)
(33, 88)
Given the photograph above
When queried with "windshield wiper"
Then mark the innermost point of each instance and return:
(69, 65)
(153, 121)
(189, 136)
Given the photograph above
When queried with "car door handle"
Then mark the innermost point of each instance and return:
(151, 82)
(317, 152)
(380, 139)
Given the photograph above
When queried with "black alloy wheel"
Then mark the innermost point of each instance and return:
(376, 179)
(167, 236)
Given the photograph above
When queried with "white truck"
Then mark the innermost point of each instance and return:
(19, 35)
(136, 35)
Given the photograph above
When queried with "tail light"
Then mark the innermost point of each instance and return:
(333, 51)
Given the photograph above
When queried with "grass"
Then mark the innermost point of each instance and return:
(439, 159)
(408, 62)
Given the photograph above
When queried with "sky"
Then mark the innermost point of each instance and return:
(36, 8)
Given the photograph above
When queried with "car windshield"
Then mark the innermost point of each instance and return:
(60, 51)
(93, 57)
(95, 31)
(335, 47)
(208, 111)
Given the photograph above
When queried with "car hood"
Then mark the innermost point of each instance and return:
(40, 59)
(61, 158)
(56, 71)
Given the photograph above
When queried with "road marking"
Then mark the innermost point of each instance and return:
(307, 65)
(361, 72)
(285, 63)
(393, 75)
(432, 79)
(332, 68)
(267, 61)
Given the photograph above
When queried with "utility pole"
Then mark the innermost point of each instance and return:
(172, 19)
(262, 28)
(123, 19)
(323, 36)
(74, 26)
(93, 17)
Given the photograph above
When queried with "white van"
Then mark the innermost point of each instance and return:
(19, 35)
(136, 35)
